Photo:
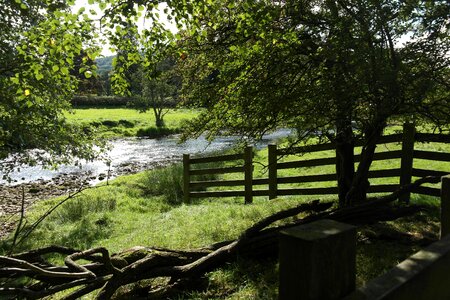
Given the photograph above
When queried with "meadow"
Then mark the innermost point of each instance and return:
(127, 122)
(147, 209)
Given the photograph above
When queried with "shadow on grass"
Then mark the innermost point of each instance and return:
(84, 234)
(244, 279)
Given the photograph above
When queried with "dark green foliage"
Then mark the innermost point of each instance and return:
(154, 132)
(100, 101)
(156, 90)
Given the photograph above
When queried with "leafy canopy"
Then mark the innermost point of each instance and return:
(332, 69)
(40, 41)
(310, 65)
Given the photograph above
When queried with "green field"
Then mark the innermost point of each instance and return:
(147, 209)
(122, 122)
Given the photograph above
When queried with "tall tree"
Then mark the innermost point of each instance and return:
(335, 70)
(39, 43)
(158, 90)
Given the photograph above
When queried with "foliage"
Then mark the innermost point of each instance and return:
(99, 101)
(40, 41)
(322, 67)
(104, 69)
(156, 91)
(88, 83)
(155, 132)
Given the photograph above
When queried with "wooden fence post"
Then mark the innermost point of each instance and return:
(317, 261)
(272, 171)
(248, 174)
(406, 164)
(445, 206)
(186, 178)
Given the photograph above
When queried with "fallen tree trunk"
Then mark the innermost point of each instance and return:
(109, 273)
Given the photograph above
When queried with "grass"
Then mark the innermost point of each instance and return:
(125, 213)
(123, 122)
(147, 209)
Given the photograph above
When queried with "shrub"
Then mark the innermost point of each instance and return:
(154, 132)
(99, 101)
(168, 182)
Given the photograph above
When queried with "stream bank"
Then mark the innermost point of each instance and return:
(128, 156)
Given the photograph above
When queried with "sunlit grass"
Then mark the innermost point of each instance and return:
(147, 209)
(119, 122)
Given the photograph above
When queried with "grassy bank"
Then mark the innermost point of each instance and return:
(147, 209)
(123, 122)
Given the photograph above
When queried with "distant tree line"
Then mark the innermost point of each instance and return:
(155, 90)
(99, 100)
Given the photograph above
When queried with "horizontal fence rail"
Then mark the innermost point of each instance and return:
(407, 154)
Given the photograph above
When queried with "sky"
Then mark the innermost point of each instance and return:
(141, 23)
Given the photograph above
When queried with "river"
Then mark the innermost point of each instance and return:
(135, 154)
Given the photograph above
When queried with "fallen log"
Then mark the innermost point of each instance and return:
(109, 272)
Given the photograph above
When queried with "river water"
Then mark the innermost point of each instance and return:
(135, 154)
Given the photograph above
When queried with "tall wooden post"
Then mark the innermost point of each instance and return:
(272, 171)
(248, 174)
(186, 178)
(317, 261)
(445, 206)
(406, 165)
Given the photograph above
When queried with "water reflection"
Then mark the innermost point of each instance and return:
(138, 153)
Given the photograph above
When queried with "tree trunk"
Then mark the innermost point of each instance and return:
(360, 184)
(158, 117)
(345, 161)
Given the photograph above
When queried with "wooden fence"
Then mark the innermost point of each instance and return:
(407, 154)
(246, 168)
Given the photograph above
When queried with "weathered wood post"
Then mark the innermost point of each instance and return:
(317, 261)
(406, 165)
(248, 174)
(272, 171)
(445, 206)
(186, 178)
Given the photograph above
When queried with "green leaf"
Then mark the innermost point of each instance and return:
(55, 68)
(65, 71)
(88, 74)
